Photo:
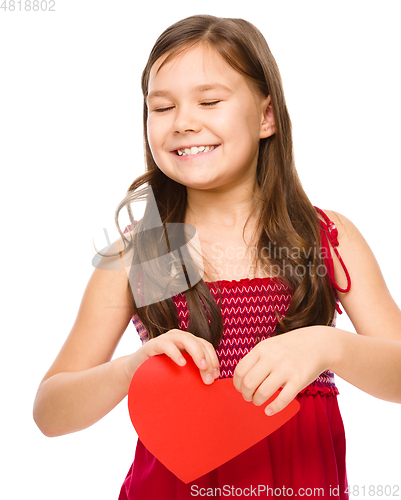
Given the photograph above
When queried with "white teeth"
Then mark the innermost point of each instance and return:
(195, 150)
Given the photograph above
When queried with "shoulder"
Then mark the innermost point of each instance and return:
(352, 247)
(344, 226)
(117, 256)
(350, 241)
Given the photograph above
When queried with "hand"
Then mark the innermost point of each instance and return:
(292, 361)
(172, 343)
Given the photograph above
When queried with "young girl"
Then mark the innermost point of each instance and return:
(219, 157)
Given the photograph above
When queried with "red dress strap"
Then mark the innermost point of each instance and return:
(329, 236)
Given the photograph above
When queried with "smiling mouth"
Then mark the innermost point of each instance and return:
(195, 150)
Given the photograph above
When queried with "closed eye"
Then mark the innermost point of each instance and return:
(161, 110)
(212, 103)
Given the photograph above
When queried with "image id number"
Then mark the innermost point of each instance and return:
(28, 5)
(373, 490)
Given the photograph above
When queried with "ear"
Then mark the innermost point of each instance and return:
(268, 126)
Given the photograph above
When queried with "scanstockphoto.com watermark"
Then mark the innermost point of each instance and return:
(263, 490)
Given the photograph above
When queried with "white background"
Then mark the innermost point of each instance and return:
(71, 144)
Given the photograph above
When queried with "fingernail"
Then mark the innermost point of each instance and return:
(248, 400)
(269, 412)
(209, 378)
(216, 373)
(203, 362)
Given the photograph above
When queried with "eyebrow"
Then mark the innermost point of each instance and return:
(200, 88)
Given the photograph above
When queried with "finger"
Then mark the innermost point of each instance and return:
(243, 367)
(199, 353)
(207, 372)
(158, 346)
(252, 381)
(285, 397)
(213, 369)
(214, 360)
(197, 349)
(271, 384)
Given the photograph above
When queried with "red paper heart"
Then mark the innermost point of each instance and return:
(176, 415)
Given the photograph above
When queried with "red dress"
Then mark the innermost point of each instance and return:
(308, 451)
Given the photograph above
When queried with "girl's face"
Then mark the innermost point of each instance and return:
(198, 102)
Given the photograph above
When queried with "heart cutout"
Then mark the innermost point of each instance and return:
(177, 417)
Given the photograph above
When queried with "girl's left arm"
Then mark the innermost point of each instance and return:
(370, 360)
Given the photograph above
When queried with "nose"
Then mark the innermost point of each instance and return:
(185, 120)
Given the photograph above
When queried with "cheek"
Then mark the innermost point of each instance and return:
(252, 120)
(156, 140)
(153, 138)
(246, 122)
(151, 132)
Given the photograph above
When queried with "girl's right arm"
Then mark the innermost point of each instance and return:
(84, 384)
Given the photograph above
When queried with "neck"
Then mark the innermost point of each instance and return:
(223, 209)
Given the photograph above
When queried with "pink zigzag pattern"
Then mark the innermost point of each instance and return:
(248, 309)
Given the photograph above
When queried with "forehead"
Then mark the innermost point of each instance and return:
(196, 67)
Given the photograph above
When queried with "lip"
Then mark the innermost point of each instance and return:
(192, 157)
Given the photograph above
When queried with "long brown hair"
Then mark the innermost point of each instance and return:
(287, 219)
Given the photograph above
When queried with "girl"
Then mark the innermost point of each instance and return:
(219, 157)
